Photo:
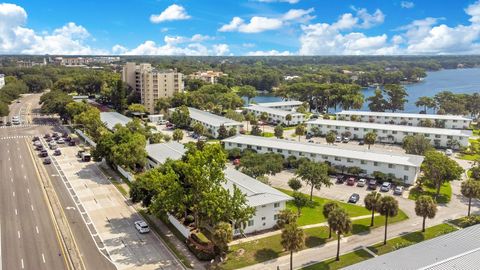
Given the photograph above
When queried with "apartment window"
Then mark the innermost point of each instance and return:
(325, 157)
(250, 223)
(391, 166)
(449, 137)
(363, 162)
(270, 149)
(259, 148)
(249, 146)
(337, 127)
(394, 132)
(437, 136)
(275, 205)
(313, 155)
(375, 163)
(275, 217)
(405, 168)
(349, 160)
(384, 131)
(355, 128)
(300, 154)
(427, 135)
(289, 152)
(405, 178)
(263, 218)
(279, 150)
(338, 159)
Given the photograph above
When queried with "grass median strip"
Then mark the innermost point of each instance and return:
(411, 238)
(268, 248)
(345, 260)
(427, 189)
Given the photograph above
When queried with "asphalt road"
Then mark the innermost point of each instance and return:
(28, 239)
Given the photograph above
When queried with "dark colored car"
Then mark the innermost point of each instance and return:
(9, 123)
(372, 184)
(354, 198)
(39, 147)
(49, 139)
(65, 135)
(46, 135)
(68, 138)
(43, 153)
(36, 138)
(1, 123)
(57, 152)
(340, 179)
(351, 181)
(47, 161)
(361, 142)
(71, 143)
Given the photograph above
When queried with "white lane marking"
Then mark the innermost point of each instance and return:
(14, 194)
(24, 177)
(21, 165)
(18, 232)
(10, 168)
(23, 266)
(43, 258)
(36, 229)
(11, 180)
(16, 212)
(1, 261)
(28, 190)
(31, 205)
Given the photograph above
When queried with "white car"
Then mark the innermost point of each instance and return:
(61, 141)
(361, 182)
(449, 152)
(142, 226)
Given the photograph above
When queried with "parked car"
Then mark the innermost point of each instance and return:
(1, 123)
(310, 141)
(338, 139)
(65, 135)
(449, 152)
(37, 143)
(385, 186)
(361, 182)
(8, 123)
(340, 179)
(71, 143)
(398, 190)
(345, 140)
(43, 153)
(57, 152)
(142, 226)
(47, 135)
(372, 184)
(354, 198)
(60, 141)
(361, 142)
(35, 138)
(39, 147)
(351, 181)
(47, 161)
(49, 139)
(55, 135)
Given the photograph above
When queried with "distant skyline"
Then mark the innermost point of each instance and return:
(243, 27)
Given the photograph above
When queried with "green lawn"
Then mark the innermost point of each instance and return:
(345, 260)
(268, 134)
(444, 197)
(313, 215)
(411, 238)
(268, 248)
(469, 157)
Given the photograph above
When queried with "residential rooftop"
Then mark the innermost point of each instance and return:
(456, 250)
(401, 128)
(273, 111)
(160, 152)
(406, 115)
(281, 103)
(256, 192)
(112, 118)
(210, 118)
(368, 155)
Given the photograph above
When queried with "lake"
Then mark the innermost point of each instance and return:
(454, 80)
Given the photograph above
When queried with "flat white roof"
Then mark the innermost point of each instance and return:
(272, 110)
(112, 118)
(281, 103)
(406, 115)
(402, 128)
(384, 157)
(257, 193)
(210, 118)
(160, 152)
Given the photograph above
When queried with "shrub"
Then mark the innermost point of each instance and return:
(469, 221)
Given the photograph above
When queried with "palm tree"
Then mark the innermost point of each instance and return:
(288, 117)
(341, 223)
(264, 118)
(371, 203)
(426, 102)
(327, 209)
(425, 207)
(300, 131)
(293, 239)
(388, 207)
(248, 118)
(470, 189)
(370, 138)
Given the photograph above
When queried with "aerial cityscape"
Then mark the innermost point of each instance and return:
(252, 134)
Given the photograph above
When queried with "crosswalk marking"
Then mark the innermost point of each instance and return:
(28, 125)
(16, 137)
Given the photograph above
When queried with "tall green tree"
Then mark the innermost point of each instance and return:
(439, 169)
(326, 210)
(293, 239)
(387, 207)
(221, 236)
(376, 102)
(278, 131)
(341, 223)
(285, 217)
(295, 184)
(314, 174)
(288, 118)
(300, 131)
(247, 91)
(426, 103)
(300, 201)
(331, 136)
(177, 135)
(470, 189)
(425, 207)
(370, 138)
(222, 132)
(396, 97)
(163, 104)
(181, 117)
(371, 203)
(416, 144)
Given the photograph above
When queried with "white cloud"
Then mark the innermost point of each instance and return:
(302, 15)
(269, 53)
(182, 39)
(248, 45)
(151, 48)
(281, 1)
(407, 4)
(256, 25)
(369, 20)
(220, 49)
(119, 49)
(16, 38)
(171, 13)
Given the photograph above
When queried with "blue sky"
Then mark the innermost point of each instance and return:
(243, 27)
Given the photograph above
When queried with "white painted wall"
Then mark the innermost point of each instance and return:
(264, 218)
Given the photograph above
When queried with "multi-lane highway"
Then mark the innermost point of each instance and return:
(29, 237)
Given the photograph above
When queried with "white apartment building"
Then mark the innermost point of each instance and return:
(288, 105)
(152, 84)
(212, 122)
(407, 119)
(266, 200)
(2, 80)
(276, 116)
(439, 137)
(208, 76)
(403, 166)
(111, 119)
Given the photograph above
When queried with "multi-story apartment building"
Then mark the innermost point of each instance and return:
(287, 105)
(2, 80)
(406, 119)
(276, 116)
(152, 84)
(209, 76)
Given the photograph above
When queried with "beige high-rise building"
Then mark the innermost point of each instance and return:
(152, 84)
